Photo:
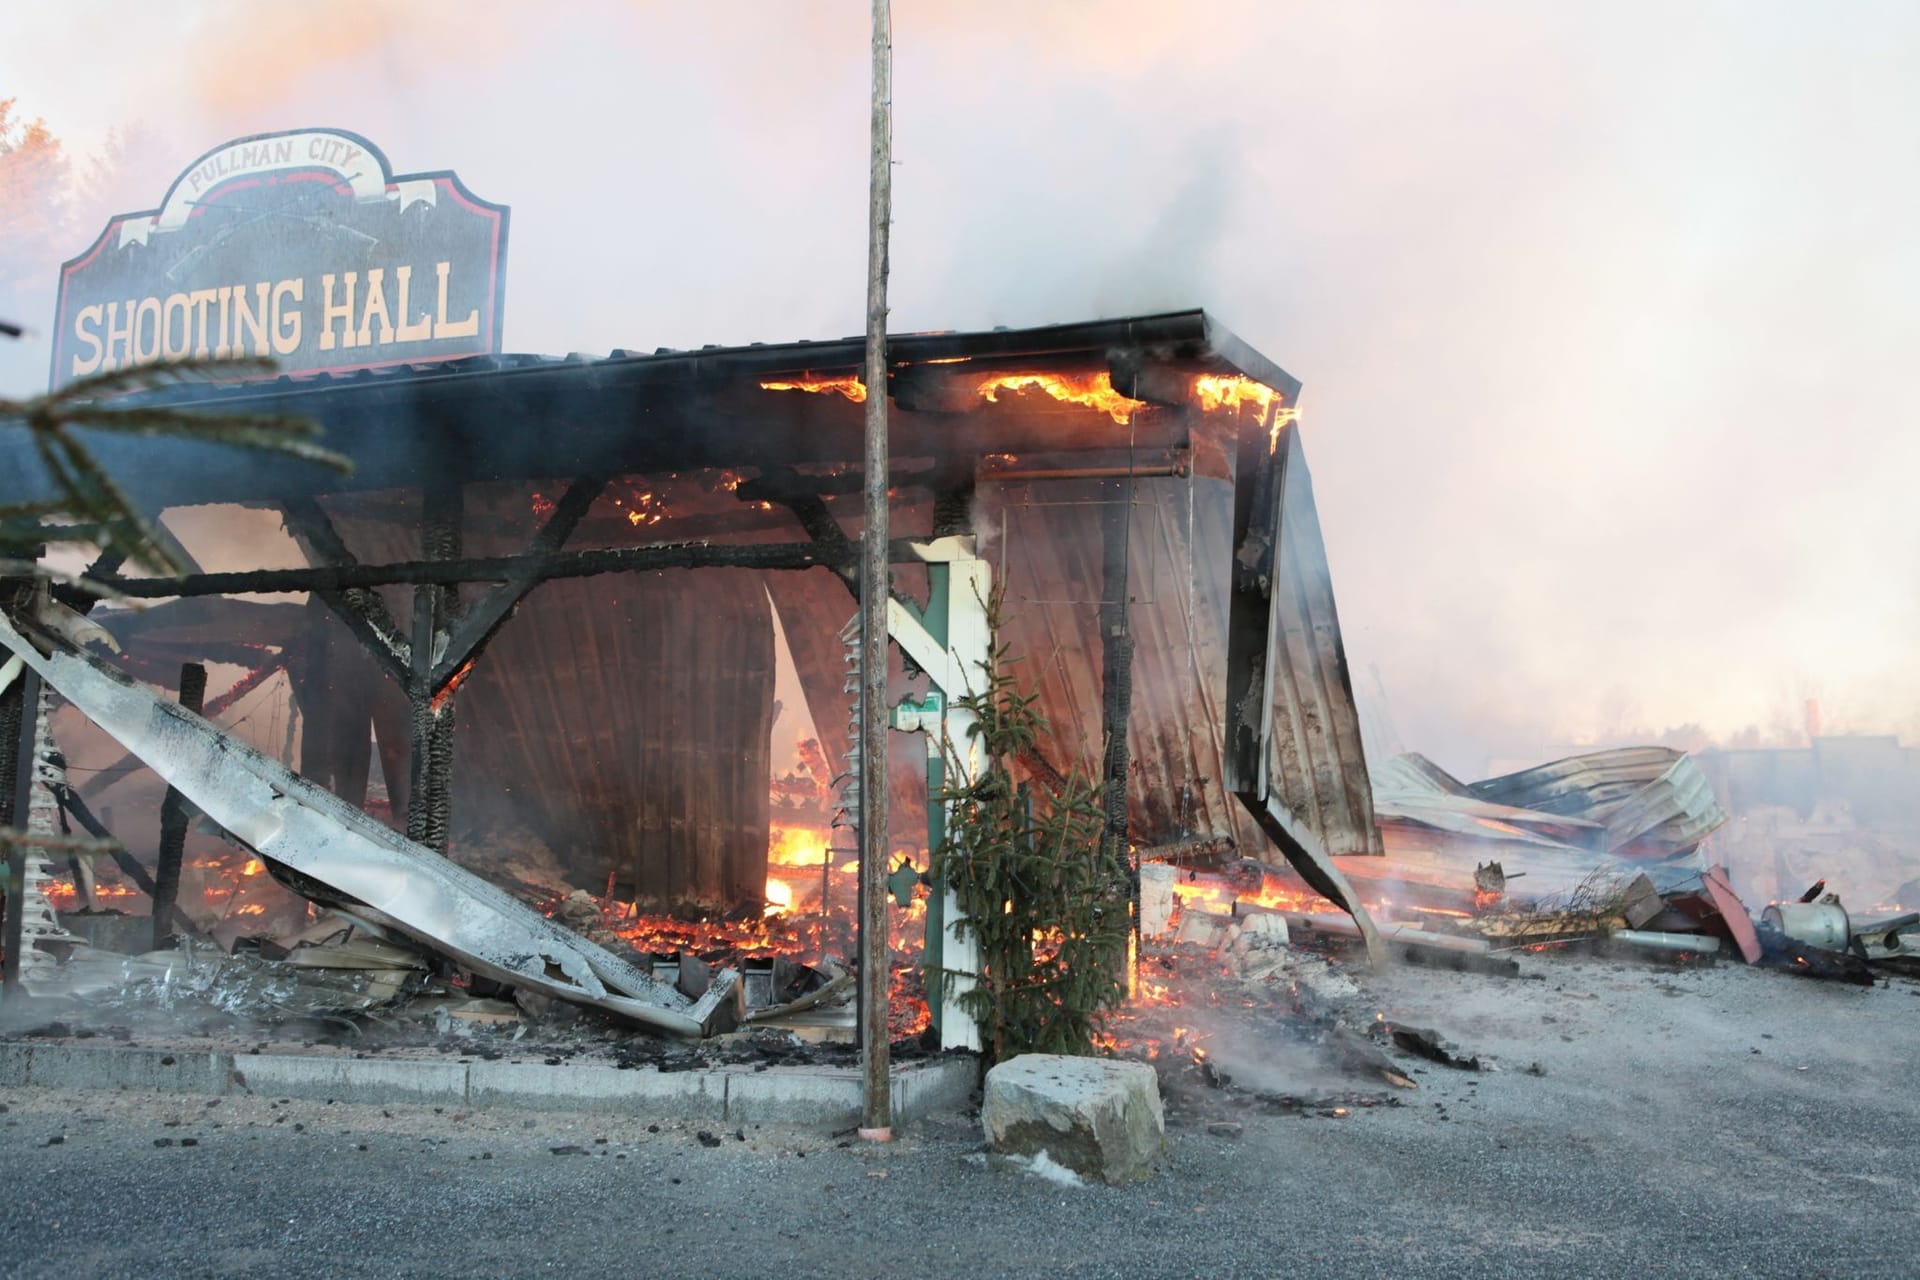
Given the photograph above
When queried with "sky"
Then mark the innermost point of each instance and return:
(1605, 311)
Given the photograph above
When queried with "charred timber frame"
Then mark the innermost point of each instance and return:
(478, 624)
(1116, 661)
(363, 612)
(173, 821)
(540, 567)
(631, 414)
(16, 786)
(436, 607)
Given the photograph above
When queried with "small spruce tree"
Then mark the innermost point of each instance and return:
(1046, 897)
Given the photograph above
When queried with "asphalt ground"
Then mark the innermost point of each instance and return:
(1718, 1122)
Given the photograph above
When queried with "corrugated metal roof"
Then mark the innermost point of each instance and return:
(1318, 768)
(525, 416)
(1650, 799)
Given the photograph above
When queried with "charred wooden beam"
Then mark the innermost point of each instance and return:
(17, 733)
(1116, 661)
(778, 484)
(810, 509)
(108, 562)
(1200, 851)
(953, 504)
(435, 609)
(77, 809)
(363, 611)
(1259, 477)
(560, 564)
(478, 624)
(173, 821)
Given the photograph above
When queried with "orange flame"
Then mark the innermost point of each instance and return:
(1232, 391)
(796, 847)
(1217, 391)
(796, 923)
(1095, 391)
(454, 682)
(779, 896)
(849, 386)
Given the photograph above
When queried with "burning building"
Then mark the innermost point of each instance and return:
(547, 602)
(525, 661)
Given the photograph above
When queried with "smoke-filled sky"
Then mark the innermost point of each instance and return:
(1605, 311)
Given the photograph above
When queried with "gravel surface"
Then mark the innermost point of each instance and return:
(1703, 1122)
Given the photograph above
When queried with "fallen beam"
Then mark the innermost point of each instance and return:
(447, 573)
(1318, 870)
(1401, 935)
(341, 855)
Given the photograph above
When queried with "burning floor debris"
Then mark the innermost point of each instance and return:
(1250, 995)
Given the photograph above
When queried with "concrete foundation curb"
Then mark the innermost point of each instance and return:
(810, 1096)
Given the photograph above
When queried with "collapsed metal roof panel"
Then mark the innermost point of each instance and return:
(1411, 788)
(377, 874)
(1648, 799)
(1319, 764)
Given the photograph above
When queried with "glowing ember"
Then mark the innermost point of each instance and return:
(808, 916)
(1095, 391)
(849, 386)
(453, 685)
(1218, 895)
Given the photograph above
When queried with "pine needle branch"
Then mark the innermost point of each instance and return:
(96, 507)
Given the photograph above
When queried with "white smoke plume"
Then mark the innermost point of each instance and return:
(1603, 311)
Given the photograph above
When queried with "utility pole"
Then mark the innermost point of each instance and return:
(876, 1123)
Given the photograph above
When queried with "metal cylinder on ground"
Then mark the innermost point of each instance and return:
(1699, 944)
(1818, 924)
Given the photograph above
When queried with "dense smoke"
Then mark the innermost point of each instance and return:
(1602, 315)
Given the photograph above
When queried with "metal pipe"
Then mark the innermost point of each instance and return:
(1699, 944)
(1819, 924)
(1090, 473)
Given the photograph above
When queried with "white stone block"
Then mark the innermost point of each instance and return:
(1156, 897)
(1099, 1117)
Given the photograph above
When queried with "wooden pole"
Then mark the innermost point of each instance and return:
(875, 965)
(173, 822)
(1116, 671)
(17, 735)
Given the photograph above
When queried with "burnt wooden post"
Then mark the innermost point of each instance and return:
(173, 821)
(430, 777)
(16, 788)
(1116, 662)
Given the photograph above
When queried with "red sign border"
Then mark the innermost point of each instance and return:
(446, 179)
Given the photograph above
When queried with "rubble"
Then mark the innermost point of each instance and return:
(1101, 1118)
(1634, 811)
(334, 853)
